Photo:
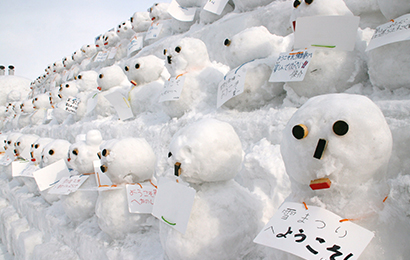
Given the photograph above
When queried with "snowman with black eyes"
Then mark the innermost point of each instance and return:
(336, 149)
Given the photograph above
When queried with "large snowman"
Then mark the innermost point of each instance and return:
(208, 155)
(336, 150)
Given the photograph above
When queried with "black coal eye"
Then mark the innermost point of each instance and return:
(105, 152)
(8, 142)
(18, 143)
(227, 42)
(132, 19)
(67, 86)
(101, 76)
(165, 51)
(296, 3)
(75, 151)
(169, 154)
(340, 128)
(126, 68)
(36, 146)
(79, 76)
(300, 131)
(99, 155)
(51, 152)
(137, 66)
(308, 1)
(177, 49)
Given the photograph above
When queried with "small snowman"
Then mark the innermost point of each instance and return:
(9, 149)
(80, 205)
(124, 161)
(188, 59)
(41, 103)
(207, 155)
(336, 149)
(23, 144)
(26, 110)
(140, 21)
(147, 74)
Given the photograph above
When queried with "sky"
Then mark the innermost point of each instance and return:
(36, 33)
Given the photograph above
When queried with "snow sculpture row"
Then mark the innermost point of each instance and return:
(348, 174)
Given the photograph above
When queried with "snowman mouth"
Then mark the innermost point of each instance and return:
(169, 59)
(294, 25)
(320, 184)
(177, 169)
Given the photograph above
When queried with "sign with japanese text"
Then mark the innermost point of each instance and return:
(173, 204)
(121, 105)
(68, 185)
(101, 56)
(141, 197)
(172, 89)
(71, 105)
(394, 31)
(48, 176)
(113, 52)
(136, 44)
(153, 31)
(180, 13)
(231, 86)
(215, 6)
(313, 233)
(291, 66)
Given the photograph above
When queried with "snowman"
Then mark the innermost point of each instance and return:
(41, 103)
(125, 33)
(23, 143)
(188, 59)
(9, 148)
(336, 149)
(147, 74)
(330, 71)
(110, 40)
(255, 51)
(140, 21)
(26, 110)
(124, 161)
(207, 155)
(80, 205)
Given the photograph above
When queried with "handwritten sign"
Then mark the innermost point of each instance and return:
(180, 13)
(17, 167)
(215, 6)
(48, 176)
(173, 204)
(141, 197)
(71, 105)
(291, 66)
(315, 233)
(101, 56)
(121, 105)
(172, 89)
(68, 185)
(394, 31)
(231, 86)
(92, 101)
(113, 51)
(154, 31)
(136, 44)
(334, 32)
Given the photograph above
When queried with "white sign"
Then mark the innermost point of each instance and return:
(231, 86)
(173, 204)
(68, 185)
(48, 176)
(180, 13)
(335, 32)
(153, 31)
(394, 31)
(291, 66)
(136, 44)
(121, 105)
(71, 105)
(141, 197)
(313, 233)
(29, 170)
(101, 56)
(5, 160)
(92, 101)
(113, 51)
(215, 6)
(17, 167)
(172, 89)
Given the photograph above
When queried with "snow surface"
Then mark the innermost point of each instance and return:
(32, 228)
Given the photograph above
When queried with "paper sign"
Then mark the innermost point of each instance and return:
(215, 6)
(71, 105)
(394, 31)
(172, 89)
(315, 233)
(121, 105)
(51, 174)
(102, 180)
(136, 44)
(113, 51)
(291, 66)
(29, 170)
(92, 101)
(68, 185)
(153, 31)
(180, 13)
(141, 197)
(173, 204)
(17, 167)
(231, 86)
(7, 158)
(101, 56)
(335, 32)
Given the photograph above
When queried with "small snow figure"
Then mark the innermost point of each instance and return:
(224, 216)
(125, 161)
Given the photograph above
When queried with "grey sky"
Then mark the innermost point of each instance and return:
(36, 33)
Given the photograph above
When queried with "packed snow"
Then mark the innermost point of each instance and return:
(337, 140)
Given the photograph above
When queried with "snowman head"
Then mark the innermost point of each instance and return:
(11, 140)
(24, 142)
(68, 62)
(187, 55)
(54, 151)
(110, 77)
(58, 66)
(89, 50)
(206, 151)
(67, 89)
(37, 148)
(341, 139)
(124, 30)
(143, 70)
(41, 101)
(140, 21)
(128, 160)
(159, 11)
(110, 39)
(99, 42)
(81, 154)
(27, 106)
